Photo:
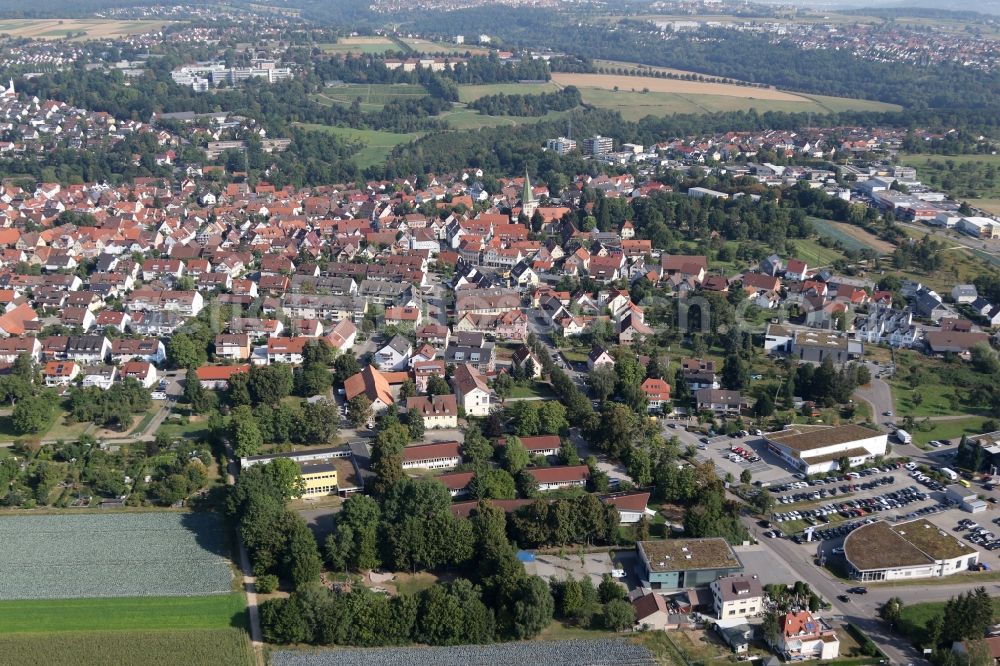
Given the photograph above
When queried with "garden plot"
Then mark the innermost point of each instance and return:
(113, 555)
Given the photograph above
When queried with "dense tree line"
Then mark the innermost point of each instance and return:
(732, 54)
(278, 540)
(498, 601)
(528, 105)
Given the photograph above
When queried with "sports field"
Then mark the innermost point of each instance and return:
(367, 45)
(200, 647)
(444, 48)
(59, 28)
(371, 96)
(640, 96)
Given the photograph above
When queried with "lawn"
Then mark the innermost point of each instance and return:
(196, 647)
(537, 389)
(195, 428)
(914, 619)
(815, 254)
(377, 144)
(38, 616)
(413, 583)
(972, 425)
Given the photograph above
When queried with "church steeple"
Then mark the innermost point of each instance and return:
(528, 203)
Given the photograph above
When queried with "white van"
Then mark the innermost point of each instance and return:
(951, 474)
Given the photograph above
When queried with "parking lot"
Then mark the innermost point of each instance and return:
(763, 465)
(894, 494)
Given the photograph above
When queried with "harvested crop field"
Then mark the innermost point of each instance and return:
(609, 81)
(641, 96)
(59, 28)
(113, 555)
(98, 648)
(551, 653)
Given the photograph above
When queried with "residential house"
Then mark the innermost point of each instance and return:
(520, 358)
(424, 370)
(394, 355)
(719, 401)
(101, 376)
(804, 637)
(342, 336)
(652, 612)
(439, 411)
(232, 346)
(600, 357)
(11, 348)
(738, 596)
(216, 377)
(471, 348)
(60, 373)
(796, 270)
(88, 348)
(699, 373)
(471, 391)
(371, 383)
(286, 350)
(145, 349)
(141, 371)
(657, 394)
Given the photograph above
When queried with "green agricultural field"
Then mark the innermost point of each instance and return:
(99, 648)
(471, 93)
(36, 616)
(371, 96)
(94, 555)
(377, 144)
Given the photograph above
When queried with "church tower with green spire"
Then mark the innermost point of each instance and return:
(528, 203)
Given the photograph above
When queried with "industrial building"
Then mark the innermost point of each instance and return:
(817, 449)
(915, 549)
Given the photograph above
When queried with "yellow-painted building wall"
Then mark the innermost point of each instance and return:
(320, 483)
